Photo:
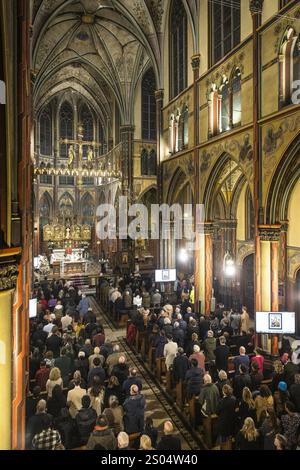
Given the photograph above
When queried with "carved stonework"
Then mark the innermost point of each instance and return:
(8, 276)
(156, 10)
(256, 6)
(196, 61)
(244, 249)
(269, 234)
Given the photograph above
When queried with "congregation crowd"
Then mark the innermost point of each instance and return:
(83, 392)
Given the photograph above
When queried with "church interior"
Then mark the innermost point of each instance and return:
(185, 336)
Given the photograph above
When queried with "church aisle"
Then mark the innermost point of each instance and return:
(156, 404)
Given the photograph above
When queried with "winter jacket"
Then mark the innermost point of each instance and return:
(103, 437)
(134, 411)
(209, 399)
(85, 420)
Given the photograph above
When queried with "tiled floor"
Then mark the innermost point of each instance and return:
(157, 406)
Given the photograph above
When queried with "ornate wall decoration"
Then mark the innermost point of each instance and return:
(256, 6)
(292, 20)
(156, 10)
(141, 17)
(8, 276)
(293, 262)
(225, 70)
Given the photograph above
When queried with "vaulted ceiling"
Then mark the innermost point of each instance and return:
(99, 48)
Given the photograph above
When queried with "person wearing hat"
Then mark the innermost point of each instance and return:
(281, 396)
(102, 436)
(134, 411)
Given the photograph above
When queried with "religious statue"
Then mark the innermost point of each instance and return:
(59, 232)
(86, 232)
(48, 233)
(80, 152)
(68, 230)
(76, 232)
(90, 155)
(71, 155)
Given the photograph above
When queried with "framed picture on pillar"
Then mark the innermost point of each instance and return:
(275, 321)
(124, 258)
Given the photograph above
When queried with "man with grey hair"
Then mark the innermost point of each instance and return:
(123, 440)
(113, 359)
(96, 354)
(209, 397)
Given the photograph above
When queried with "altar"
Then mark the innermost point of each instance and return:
(74, 267)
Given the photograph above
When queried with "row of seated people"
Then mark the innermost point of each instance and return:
(231, 393)
(83, 392)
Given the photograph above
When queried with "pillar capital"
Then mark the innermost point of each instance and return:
(208, 228)
(256, 7)
(269, 233)
(159, 94)
(195, 61)
(284, 225)
(127, 128)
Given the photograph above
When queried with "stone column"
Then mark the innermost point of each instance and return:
(269, 267)
(159, 97)
(195, 66)
(208, 266)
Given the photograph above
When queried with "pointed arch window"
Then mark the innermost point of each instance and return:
(178, 47)
(213, 111)
(225, 27)
(185, 126)
(46, 131)
(289, 66)
(225, 106)
(45, 210)
(87, 121)
(88, 210)
(172, 134)
(144, 162)
(152, 163)
(236, 98)
(65, 127)
(148, 106)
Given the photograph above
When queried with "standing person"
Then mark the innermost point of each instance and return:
(85, 419)
(269, 429)
(102, 436)
(54, 342)
(246, 407)
(74, 398)
(209, 345)
(54, 379)
(151, 431)
(48, 438)
(180, 366)
(226, 412)
(290, 424)
(235, 322)
(134, 410)
(222, 353)
(248, 437)
(170, 351)
(209, 397)
(168, 440)
(280, 442)
(245, 321)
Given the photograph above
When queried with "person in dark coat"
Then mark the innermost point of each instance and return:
(82, 364)
(32, 401)
(39, 336)
(193, 379)
(133, 379)
(66, 426)
(295, 392)
(222, 353)
(226, 413)
(178, 335)
(54, 342)
(57, 401)
(121, 370)
(113, 389)
(96, 370)
(134, 411)
(248, 437)
(151, 431)
(36, 423)
(240, 381)
(204, 326)
(169, 441)
(180, 366)
(256, 376)
(64, 363)
(85, 419)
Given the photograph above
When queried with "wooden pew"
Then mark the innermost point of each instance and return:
(209, 426)
(160, 368)
(180, 394)
(192, 411)
(169, 382)
(151, 357)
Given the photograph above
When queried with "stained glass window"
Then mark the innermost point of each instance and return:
(225, 27)
(148, 106)
(65, 127)
(46, 131)
(178, 47)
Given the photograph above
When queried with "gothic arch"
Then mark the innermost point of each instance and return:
(283, 181)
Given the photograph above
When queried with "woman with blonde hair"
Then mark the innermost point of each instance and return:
(248, 437)
(246, 407)
(54, 379)
(145, 443)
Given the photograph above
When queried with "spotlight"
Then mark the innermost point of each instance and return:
(229, 266)
(183, 255)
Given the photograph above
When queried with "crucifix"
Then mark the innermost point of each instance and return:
(80, 143)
